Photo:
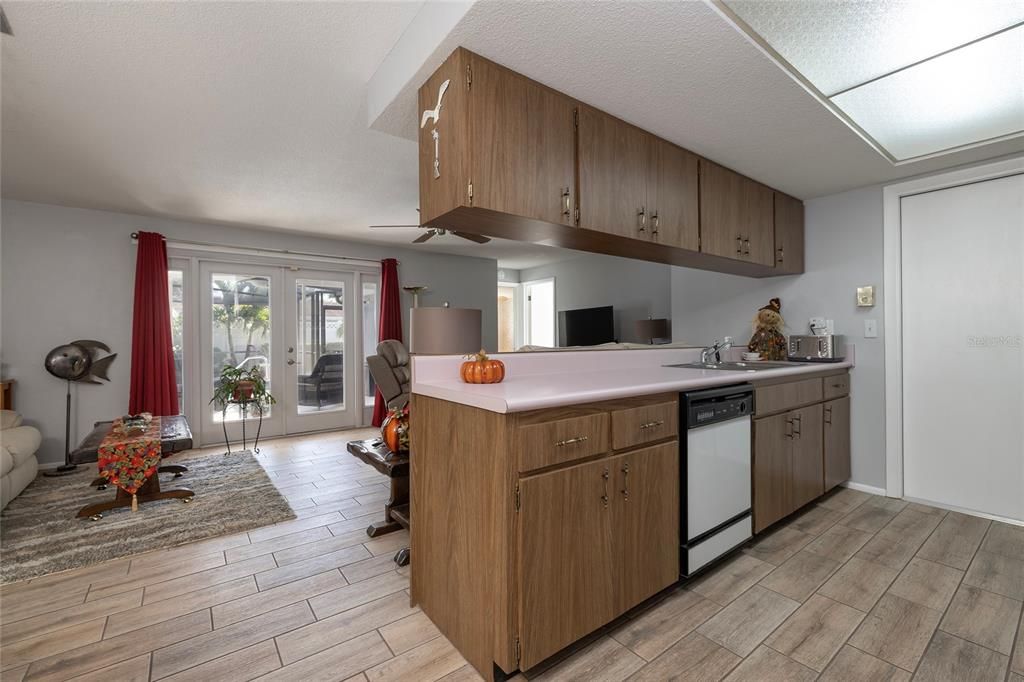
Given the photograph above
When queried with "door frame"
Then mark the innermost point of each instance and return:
(892, 291)
(524, 302)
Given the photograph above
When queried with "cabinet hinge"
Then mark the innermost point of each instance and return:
(469, 193)
(469, 76)
(575, 118)
(576, 216)
(517, 502)
(517, 650)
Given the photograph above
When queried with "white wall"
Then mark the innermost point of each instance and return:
(843, 251)
(636, 289)
(68, 273)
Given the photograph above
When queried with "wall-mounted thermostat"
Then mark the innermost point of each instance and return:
(865, 297)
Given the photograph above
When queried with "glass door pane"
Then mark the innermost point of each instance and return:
(319, 357)
(240, 311)
(371, 325)
(176, 290)
(320, 345)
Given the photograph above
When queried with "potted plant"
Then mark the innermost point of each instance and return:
(237, 385)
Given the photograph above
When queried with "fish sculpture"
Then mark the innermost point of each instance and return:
(77, 361)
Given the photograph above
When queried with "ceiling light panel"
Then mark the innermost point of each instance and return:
(967, 96)
(837, 45)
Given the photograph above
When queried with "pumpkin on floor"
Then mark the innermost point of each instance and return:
(480, 369)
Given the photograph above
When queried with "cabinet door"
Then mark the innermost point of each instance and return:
(614, 160)
(645, 523)
(789, 234)
(524, 145)
(837, 442)
(808, 455)
(672, 195)
(565, 572)
(736, 218)
(772, 470)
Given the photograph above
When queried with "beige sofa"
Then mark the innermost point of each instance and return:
(18, 464)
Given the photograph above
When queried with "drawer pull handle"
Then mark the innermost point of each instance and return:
(837, 385)
(651, 425)
(572, 441)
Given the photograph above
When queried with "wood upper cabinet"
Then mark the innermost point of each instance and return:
(645, 523)
(614, 163)
(789, 234)
(672, 196)
(736, 216)
(772, 470)
(837, 442)
(523, 145)
(808, 461)
(565, 565)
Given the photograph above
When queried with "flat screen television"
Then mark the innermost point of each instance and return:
(586, 326)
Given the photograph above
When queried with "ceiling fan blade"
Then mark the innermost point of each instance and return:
(379, 227)
(424, 237)
(479, 239)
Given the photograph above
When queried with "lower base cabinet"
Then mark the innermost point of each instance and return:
(799, 453)
(595, 540)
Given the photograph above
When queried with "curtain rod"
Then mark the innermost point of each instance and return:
(261, 251)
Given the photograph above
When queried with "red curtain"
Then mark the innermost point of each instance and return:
(390, 321)
(153, 387)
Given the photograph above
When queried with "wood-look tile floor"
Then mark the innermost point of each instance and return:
(857, 587)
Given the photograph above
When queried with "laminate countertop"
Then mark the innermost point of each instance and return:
(544, 380)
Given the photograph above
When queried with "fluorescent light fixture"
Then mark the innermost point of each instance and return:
(913, 77)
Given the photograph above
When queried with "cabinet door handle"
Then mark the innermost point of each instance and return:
(799, 424)
(746, 247)
(789, 423)
(654, 224)
(782, 254)
(604, 498)
(739, 245)
(572, 441)
(625, 481)
(828, 415)
(566, 210)
(651, 425)
(641, 218)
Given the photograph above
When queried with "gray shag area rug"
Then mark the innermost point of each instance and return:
(39, 533)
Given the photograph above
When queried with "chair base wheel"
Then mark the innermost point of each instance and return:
(96, 517)
(186, 500)
(402, 557)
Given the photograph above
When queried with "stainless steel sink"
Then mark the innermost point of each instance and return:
(734, 366)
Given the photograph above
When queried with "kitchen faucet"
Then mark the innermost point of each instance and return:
(716, 350)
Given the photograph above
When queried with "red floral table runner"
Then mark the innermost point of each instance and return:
(128, 461)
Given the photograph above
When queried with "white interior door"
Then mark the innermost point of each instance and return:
(320, 368)
(539, 318)
(963, 346)
(239, 326)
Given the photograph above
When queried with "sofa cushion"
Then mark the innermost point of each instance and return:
(22, 442)
(6, 461)
(9, 419)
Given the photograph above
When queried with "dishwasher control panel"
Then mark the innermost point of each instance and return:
(733, 402)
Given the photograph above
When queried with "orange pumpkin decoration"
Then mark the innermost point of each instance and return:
(479, 369)
(395, 430)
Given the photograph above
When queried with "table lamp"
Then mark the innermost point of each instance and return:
(445, 331)
(653, 329)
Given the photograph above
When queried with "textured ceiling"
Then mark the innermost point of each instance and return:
(254, 113)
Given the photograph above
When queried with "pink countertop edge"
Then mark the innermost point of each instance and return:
(573, 385)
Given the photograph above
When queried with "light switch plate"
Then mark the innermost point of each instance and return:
(870, 329)
(865, 296)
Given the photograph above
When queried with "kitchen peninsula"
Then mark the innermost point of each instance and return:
(548, 505)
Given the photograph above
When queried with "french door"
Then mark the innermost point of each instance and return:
(301, 328)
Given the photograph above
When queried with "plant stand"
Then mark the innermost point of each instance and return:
(244, 405)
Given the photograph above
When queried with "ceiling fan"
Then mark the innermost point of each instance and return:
(432, 232)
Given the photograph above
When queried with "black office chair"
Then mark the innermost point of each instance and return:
(326, 383)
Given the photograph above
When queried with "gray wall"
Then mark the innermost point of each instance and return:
(844, 250)
(637, 289)
(69, 274)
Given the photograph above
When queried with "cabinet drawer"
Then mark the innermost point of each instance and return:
(564, 440)
(644, 424)
(837, 386)
(782, 397)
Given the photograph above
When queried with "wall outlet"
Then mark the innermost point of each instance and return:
(870, 329)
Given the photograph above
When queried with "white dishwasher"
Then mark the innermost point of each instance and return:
(715, 510)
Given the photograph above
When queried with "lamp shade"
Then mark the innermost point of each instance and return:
(445, 331)
(653, 329)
